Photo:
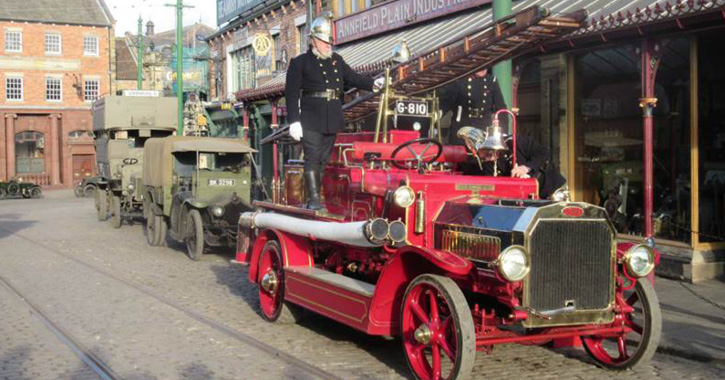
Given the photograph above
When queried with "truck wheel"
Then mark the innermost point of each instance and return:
(155, 229)
(116, 212)
(78, 191)
(270, 278)
(437, 329)
(89, 190)
(102, 205)
(35, 193)
(194, 236)
(13, 188)
(637, 347)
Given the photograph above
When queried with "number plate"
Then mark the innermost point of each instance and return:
(221, 182)
(417, 108)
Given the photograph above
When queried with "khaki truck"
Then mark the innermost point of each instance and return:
(121, 126)
(196, 188)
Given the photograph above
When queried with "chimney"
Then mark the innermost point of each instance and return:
(150, 28)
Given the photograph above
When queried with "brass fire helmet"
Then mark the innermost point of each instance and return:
(322, 28)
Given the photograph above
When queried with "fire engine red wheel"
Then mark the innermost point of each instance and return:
(638, 346)
(437, 329)
(270, 278)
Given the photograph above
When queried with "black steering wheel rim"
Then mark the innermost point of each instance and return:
(130, 161)
(422, 140)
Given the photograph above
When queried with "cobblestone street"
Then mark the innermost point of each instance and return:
(151, 313)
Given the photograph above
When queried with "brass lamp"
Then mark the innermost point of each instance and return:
(401, 53)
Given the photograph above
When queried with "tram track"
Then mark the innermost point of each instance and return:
(86, 356)
(77, 347)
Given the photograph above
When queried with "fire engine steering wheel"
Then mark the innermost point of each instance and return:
(423, 158)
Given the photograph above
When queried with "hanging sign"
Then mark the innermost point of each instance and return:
(392, 15)
(262, 44)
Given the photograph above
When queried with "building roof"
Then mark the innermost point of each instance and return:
(77, 12)
(125, 61)
(604, 15)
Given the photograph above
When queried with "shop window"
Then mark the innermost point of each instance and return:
(711, 138)
(302, 33)
(13, 41)
(29, 152)
(52, 43)
(78, 134)
(609, 138)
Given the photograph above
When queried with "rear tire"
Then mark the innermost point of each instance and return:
(13, 188)
(116, 212)
(102, 206)
(88, 191)
(194, 236)
(35, 193)
(78, 191)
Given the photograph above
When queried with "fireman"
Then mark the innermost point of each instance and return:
(473, 100)
(314, 90)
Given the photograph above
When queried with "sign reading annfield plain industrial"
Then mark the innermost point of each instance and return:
(396, 14)
(229, 9)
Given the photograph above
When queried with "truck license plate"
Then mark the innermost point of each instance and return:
(411, 108)
(221, 182)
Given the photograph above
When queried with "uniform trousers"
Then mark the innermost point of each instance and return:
(317, 148)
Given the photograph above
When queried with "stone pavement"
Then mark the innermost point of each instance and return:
(50, 247)
(693, 318)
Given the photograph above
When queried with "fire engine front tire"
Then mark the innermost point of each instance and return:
(437, 329)
(270, 278)
(645, 320)
(194, 235)
(102, 205)
(116, 212)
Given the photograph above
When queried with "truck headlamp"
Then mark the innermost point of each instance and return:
(513, 263)
(130, 187)
(640, 260)
(404, 196)
(217, 210)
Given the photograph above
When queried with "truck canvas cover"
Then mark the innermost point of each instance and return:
(159, 161)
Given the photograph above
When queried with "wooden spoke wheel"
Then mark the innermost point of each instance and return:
(35, 193)
(116, 212)
(101, 204)
(270, 278)
(636, 347)
(437, 329)
(194, 235)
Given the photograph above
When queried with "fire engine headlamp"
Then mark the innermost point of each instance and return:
(640, 260)
(561, 195)
(217, 210)
(404, 196)
(513, 263)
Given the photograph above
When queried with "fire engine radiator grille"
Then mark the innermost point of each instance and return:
(471, 246)
(570, 265)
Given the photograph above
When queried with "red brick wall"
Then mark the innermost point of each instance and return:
(37, 62)
(72, 113)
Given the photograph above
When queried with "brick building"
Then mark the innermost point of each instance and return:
(55, 60)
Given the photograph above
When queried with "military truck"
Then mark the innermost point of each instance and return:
(121, 125)
(196, 188)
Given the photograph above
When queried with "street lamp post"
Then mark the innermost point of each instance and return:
(139, 56)
(179, 63)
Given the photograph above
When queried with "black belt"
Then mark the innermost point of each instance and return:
(328, 94)
(478, 113)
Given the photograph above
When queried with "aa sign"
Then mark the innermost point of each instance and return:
(262, 44)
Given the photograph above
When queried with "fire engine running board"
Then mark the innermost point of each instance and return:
(339, 297)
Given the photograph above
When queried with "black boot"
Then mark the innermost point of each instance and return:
(312, 188)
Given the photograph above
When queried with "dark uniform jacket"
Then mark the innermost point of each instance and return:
(478, 98)
(528, 153)
(307, 72)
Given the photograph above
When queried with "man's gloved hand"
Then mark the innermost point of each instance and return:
(521, 171)
(295, 130)
(378, 84)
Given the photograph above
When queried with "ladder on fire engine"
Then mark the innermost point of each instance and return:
(506, 38)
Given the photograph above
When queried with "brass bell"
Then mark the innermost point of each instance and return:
(494, 139)
(401, 53)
